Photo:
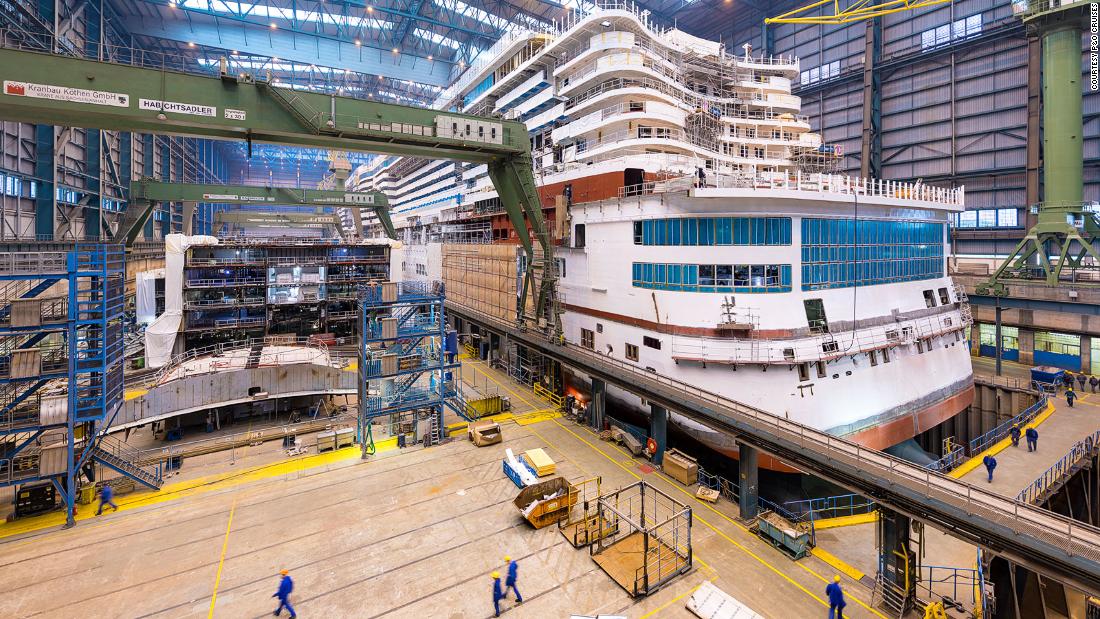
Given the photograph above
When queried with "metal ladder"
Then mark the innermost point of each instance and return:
(964, 304)
(433, 437)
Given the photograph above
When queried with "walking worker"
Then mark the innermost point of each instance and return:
(836, 598)
(1070, 396)
(1032, 439)
(510, 579)
(498, 593)
(1015, 434)
(1067, 380)
(1081, 381)
(990, 463)
(1093, 382)
(106, 497)
(286, 585)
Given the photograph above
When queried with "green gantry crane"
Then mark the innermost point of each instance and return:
(1065, 227)
(145, 194)
(58, 90)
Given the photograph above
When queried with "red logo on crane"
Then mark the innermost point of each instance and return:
(14, 88)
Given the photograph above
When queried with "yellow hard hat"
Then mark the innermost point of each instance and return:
(507, 558)
(836, 578)
(283, 572)
(495, 574)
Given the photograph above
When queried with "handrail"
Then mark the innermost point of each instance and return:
(1074, 538)
(978, 445)
(163, 375)
(1061, 469)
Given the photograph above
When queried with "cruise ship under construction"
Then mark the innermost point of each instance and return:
(700, 232)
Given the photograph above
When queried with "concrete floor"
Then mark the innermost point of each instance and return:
(408, 533)
(1016, 469)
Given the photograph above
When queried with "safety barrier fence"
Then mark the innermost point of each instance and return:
(960, 585)
(831, 507)
(998, 433)
(1061, 470)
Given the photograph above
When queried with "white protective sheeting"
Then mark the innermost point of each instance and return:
(146, 301)
(160, 337)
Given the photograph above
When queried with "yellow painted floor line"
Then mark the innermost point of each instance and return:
(999, 446)
(729, 539)
(675, 599)
(199, 485)
(836, 563)
(221, 560)
(845, 521)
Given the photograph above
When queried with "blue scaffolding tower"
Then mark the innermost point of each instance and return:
(61, 367)
(406, 361)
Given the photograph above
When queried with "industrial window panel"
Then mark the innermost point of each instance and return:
(735, 278)
(709, 231)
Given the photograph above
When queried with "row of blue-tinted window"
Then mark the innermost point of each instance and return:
(741, 278)
(838, 253)
(866, 232)
(714, 231)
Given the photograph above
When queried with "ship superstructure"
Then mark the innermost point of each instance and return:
(704, 233)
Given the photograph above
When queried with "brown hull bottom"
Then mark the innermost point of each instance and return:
(883, 435)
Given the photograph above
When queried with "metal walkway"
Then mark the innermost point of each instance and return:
(1043, 541)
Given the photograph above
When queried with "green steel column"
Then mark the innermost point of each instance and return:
(1063, 157)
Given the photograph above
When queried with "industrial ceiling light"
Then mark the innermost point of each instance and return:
(358, 42)
(605, 24)
(429, 57)
(370, 9)
(190, 44)
(273, 26)
(395, 50)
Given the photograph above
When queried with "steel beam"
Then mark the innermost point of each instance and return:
(287, 45)
(870, 163)
(259, 111)
(145, 194)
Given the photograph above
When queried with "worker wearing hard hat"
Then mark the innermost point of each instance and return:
(836, 599)
(510, 580)
(286, 585)
(498, 593)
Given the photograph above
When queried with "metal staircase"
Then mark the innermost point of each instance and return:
(254, 355)
(293, 105)
(408, 383)
(120, 457)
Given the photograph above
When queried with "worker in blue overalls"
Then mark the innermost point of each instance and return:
(106, 496)
(836, 599)
(990, 463)
(1070, 395)
(498, 593)
(510, 580)
(1032, 439)
(286, 585)
(1015, 434)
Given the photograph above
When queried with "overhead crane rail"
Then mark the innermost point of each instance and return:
(833, 13)
(45, 88)
(145, 194)
(1048, 543)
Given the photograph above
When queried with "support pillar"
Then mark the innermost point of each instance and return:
(597, 408)
(658, 430)
(748, 476)
(189, 217)
(870, 165)
(1027, 346)
(897, 561)
(1086, 354)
